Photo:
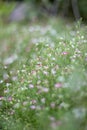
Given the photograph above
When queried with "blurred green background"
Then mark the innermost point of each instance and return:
(71, 9)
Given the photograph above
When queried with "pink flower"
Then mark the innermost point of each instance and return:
(10, 99)
(31, 86)
(64, 53)
(1, 98)
(33, 107)
(33, 101)
(58, 85)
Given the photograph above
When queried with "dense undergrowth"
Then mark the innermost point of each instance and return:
(43, 76)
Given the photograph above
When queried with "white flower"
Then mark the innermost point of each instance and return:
(53, 71)
(31, 86)
(45, 90)
(43, 100)
(1, 81)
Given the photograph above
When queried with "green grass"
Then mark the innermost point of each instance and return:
(43, 76)
(5, 10)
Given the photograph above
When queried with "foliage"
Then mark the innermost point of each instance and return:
(43, 76)
(63, 6)
(59, 7)
(83, 8)
(5, 10)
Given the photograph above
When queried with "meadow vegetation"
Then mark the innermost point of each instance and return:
(43, 76)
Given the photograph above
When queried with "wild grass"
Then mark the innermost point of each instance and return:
(43, 76)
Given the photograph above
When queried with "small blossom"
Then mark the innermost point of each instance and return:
(12, 112)
(64, 53)
(14, 78)
(10, 99)
(1, 81)
(52, 118)
(33, 107)
(33, 72)
(1, 98)
(43, 100)
(46, 89)
(25, 103)
(52, 105)
(33, 101)
(53, 59)
(5, 76)
(53, 71)
(31, 86)
(58, 85)
(6, 91)
(8, 84)
(23, 70)
(45, 72)
(5, 67)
